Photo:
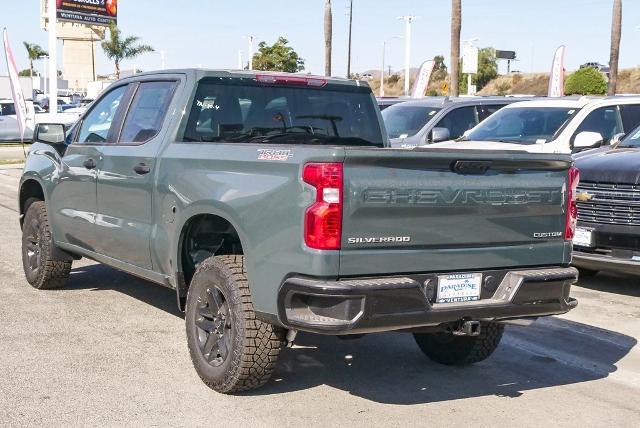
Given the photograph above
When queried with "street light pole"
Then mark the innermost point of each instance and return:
(349, 50)
(53, 58)
(408, 19)
(384, 50)
(250, 51)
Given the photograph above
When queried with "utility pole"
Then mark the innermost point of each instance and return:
(349, 50)
(53, 58)
(408, 19)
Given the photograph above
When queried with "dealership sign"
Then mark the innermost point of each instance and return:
(88, 12)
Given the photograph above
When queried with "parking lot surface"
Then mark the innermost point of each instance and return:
(110, 349)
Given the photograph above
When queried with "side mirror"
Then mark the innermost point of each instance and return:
(615, 140)
(587, 140)
(51, 134)
(440, 134)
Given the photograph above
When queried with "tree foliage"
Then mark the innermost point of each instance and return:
(277, 57)
(34, 51)
(439, 69)
(585, 81)
(117, 48)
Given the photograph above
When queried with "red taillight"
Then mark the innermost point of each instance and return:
(323, 219)
(285, 79)
(572, 204)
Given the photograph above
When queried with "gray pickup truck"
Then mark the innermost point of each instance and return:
(272, 204)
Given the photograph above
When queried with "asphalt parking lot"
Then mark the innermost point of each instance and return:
(110, 349)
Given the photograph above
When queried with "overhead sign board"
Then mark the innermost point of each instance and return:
(505, 54)
(469, 59)
(88, 12)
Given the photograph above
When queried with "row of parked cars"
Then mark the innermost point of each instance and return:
(37, 112)
(603, 134)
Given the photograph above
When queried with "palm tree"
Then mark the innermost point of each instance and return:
(117, 49)
(456, 25)
(328, 37)
(35, 52)
(616, 25)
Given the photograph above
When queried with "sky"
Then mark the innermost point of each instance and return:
(209, 33)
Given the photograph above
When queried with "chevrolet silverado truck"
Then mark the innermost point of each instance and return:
(272, 204)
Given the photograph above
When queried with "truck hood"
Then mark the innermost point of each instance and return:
(609, 165)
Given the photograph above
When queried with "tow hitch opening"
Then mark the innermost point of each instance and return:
(467, 328)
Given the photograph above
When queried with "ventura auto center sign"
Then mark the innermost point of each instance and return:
(89, 12)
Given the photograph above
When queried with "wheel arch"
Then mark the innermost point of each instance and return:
(31, 190)
(201, 235)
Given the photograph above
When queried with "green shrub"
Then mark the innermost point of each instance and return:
(586, 81)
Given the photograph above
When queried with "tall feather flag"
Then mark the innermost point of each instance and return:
(556, 79)
(16, 90)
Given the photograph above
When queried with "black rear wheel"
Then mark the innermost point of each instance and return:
(447, 348)
(231, 350)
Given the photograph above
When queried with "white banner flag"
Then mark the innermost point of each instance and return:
(422, 80)
(556, 79)
(16, 90)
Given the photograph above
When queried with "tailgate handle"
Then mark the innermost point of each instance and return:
(471, 167)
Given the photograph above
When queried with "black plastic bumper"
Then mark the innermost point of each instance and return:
(595, 261)
(364, 305)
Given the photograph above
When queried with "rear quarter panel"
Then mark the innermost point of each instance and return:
(263, 199)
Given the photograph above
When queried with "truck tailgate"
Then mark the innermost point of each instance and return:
(427, 210)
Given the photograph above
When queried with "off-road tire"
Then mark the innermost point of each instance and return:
(41, 271)
(446, 348)
(254, 345)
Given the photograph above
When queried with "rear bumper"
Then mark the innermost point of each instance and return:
(594, 261)
(364, 305)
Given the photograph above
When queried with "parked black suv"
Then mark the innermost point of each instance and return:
(608, 232)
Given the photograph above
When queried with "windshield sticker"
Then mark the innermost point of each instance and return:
(432, 112)
(403, 136)
(570, 112)
(274, 155)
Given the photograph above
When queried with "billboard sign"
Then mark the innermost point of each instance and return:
(469, 59)
(88, 12)
(505, 54)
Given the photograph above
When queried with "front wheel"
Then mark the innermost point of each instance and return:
(231, 350)
(447, 348)
(41, 271)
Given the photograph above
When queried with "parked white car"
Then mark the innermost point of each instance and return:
(562, 125)
(9, 130)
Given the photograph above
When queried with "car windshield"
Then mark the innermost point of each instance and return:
(632, 140)
(244, 111)
(522, 125)
(406, 120)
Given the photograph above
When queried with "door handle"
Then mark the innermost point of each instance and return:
(89, 163)
(142, 168)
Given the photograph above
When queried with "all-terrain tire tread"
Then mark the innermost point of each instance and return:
(262, 342)
(53, 274)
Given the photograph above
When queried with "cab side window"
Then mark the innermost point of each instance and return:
(147, 111)
(604, 121)
(97, 124)
(459, 121)
(630, 116)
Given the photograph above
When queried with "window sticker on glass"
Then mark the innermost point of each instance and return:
(570, 112)
(432, 112)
